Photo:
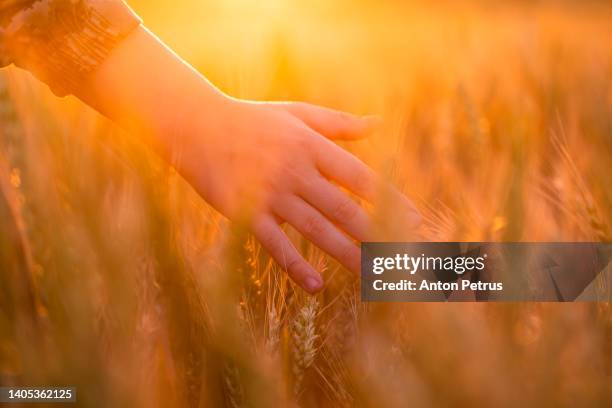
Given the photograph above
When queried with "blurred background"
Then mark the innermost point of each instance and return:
(118, 279)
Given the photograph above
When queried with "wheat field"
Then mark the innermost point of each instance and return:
(118, 279)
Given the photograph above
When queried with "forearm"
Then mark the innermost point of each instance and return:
(150, 91)
(259, 164)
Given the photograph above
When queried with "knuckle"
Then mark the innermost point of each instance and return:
(293, 266)
(291, 169)
(313, 226)
(293, 177)
(286, 173)
(269, 241)
(310, 180)
(345, 211)
(298, 146)
(305, 142)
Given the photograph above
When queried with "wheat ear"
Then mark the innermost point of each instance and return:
(304, 335)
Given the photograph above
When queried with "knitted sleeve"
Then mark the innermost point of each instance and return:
(62, 41)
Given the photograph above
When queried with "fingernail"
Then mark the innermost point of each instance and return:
(313, 284)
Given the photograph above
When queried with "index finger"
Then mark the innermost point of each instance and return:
(279, 246)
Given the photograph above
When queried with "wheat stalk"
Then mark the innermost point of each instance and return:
(273, 326)
(304, 335)
(231, 379)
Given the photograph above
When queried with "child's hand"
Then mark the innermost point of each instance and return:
(260, 163)
(269, 163)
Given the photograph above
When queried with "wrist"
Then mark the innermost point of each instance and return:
(198, 119)
(150, 91)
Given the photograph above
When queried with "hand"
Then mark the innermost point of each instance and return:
(259, 163)
(270, 163)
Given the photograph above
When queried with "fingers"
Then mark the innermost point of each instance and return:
(275, 241)
(321, 232)
(333, 124)
(341, 209)
(339, 165)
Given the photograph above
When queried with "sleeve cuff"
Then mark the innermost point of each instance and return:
(63, 42)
